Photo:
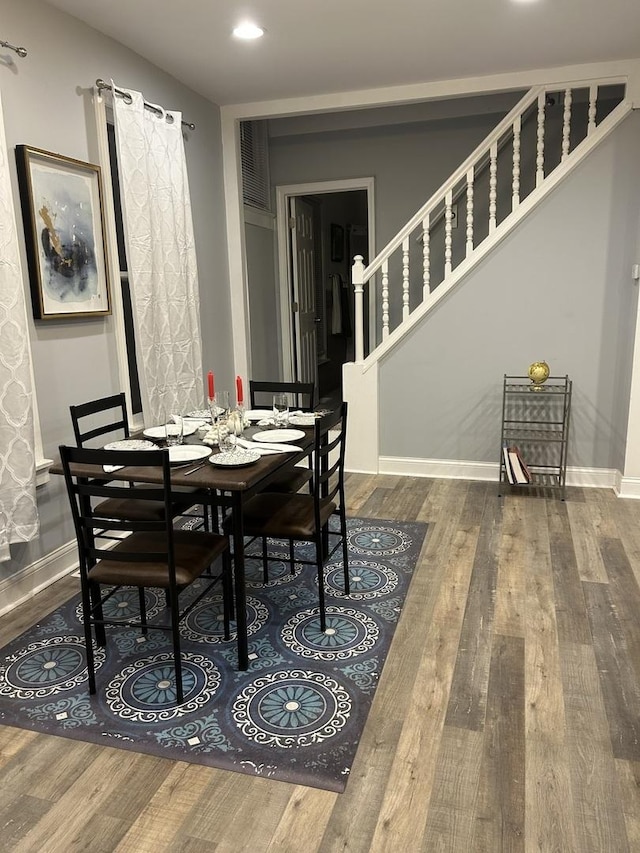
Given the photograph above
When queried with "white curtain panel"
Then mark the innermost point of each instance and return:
(18, 508)
(163, 276)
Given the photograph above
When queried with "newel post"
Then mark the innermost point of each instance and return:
(357, 279)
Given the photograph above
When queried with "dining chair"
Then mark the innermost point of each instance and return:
(305, 517)
(150, 553)
(261, 393)
(303, 393)
(106, 418)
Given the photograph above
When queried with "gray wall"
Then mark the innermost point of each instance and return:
(559, 288)
(47, 104)
(408, 161)
(266, 362)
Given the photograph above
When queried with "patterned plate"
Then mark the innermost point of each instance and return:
(235, 459)
(131, 444)
(303, 420)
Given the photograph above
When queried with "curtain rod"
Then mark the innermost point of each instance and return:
(21, 51)
(100, 84)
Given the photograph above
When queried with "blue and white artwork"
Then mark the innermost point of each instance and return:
(69, 244)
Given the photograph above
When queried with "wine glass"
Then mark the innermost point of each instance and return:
(281, 409)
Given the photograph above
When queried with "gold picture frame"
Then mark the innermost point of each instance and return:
(63, 217)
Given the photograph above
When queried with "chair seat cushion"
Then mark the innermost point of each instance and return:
(286, 516)
(194, 553)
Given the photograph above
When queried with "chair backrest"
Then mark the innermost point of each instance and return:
(98, 418)
(302, 394)
(328, 457)
(84, 485)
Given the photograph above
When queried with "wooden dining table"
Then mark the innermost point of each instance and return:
(237, 485)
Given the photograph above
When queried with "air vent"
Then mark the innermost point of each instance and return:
(254, 152)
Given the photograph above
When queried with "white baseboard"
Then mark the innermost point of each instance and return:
(628, 487)
(601, 478)
(24, 584)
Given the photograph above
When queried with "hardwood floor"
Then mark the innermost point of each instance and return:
(507, 717)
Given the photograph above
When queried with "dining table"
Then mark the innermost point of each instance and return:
(235, 485)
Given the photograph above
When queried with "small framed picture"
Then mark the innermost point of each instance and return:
(63, 217)
(337, 242)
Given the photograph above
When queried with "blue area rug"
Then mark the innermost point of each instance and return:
(296, 715)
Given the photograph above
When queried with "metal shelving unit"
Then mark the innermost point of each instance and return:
(536, 419)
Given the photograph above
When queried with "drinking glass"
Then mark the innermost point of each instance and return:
(220, 419)
(174, 430)
(234, 425)
(281, 409)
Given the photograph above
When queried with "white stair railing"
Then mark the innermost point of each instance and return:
(488, 200)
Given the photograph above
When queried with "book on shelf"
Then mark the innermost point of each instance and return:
(521, 473)
(507, 464)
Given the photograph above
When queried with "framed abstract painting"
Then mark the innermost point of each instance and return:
(63, 219)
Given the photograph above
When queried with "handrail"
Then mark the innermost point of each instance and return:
(526, 101)
(441, 201)
(482, 149)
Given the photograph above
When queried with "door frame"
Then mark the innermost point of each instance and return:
(283, 193)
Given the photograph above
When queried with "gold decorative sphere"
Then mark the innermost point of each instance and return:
(538, 372)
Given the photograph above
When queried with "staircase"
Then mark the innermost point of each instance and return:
(541, 140)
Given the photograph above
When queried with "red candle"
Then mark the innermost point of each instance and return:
(239, 393)
(211, 386)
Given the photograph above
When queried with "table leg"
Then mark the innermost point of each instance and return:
(240, 585)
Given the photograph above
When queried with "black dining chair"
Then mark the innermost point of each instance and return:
(106, 419)
(305, 517)
(302, 395)
(150, 553)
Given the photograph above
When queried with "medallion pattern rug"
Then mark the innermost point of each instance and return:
(296, 715)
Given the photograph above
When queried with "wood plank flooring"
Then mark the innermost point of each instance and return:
(507, 717)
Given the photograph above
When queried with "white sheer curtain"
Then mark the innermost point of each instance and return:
(18, 509)
(156, 210)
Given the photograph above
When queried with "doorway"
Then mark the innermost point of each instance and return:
(321, 227)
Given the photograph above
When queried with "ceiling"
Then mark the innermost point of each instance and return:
(330, 46)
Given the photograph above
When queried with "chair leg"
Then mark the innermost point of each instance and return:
(88, 638)
(143, 610)
(292, 556)
(345, 549)
(265, 561)
(227, 594)
(96, 606)
(320, 564)
(175, 632)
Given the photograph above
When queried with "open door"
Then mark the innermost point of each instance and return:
(303, 304)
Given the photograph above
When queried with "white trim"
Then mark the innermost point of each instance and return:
(259, 218)
(628, 487)
(360, 391)
(452, 469)
(510, 81)
(283, 193)
(234, 217)
(29, 581)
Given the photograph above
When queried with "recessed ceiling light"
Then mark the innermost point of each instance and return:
(247, 30)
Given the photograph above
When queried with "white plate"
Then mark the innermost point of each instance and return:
(303, 420)
(235, 459)
(277, 436)
(160, 431)
(131, 444)
(182, 453)
(259, 414)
